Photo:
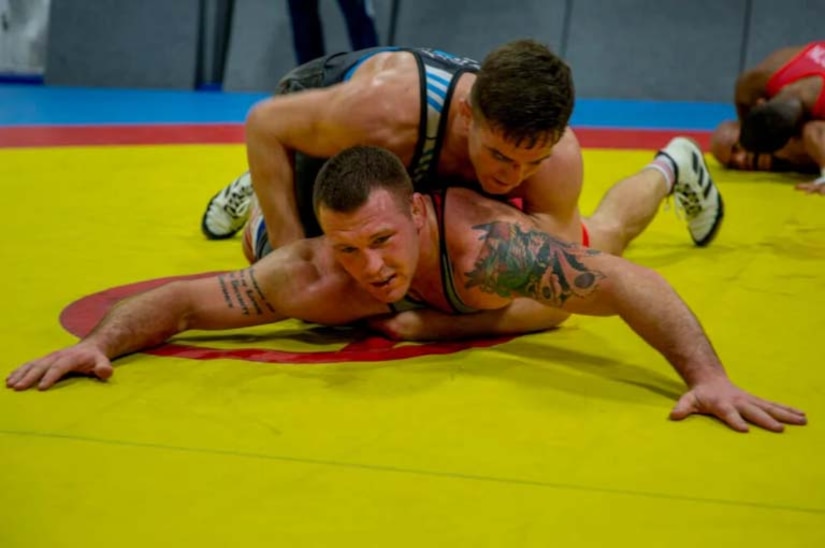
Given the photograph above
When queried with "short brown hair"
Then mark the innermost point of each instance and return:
(347, 180)
(526, 91)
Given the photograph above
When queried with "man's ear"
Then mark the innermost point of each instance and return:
(465, 111)
(419, 210)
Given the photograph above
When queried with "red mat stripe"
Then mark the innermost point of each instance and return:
(55, 136)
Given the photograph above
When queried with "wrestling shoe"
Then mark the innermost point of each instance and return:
(694, 191)
(228, 210)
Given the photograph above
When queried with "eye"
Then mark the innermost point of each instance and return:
(381, 240)
(347, 250)
(500, 157)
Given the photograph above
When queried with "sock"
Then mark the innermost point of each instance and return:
(664, 165)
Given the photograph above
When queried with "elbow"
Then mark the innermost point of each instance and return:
(180, 306)
(259, 120)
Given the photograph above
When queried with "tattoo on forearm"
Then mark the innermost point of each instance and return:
(225, 291)
(260, 294)
(241, 290)
(514, 262)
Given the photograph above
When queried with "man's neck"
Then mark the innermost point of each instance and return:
(454, 159)
(427, 284)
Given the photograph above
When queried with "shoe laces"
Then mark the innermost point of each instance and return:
(237, 199)
(687, 202)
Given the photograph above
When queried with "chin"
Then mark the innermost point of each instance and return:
(495, 188)
(391, 296)
(397, 293)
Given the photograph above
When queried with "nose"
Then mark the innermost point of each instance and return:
(514, 174)
(373, 263)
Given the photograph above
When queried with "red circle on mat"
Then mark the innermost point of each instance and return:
(80, 317)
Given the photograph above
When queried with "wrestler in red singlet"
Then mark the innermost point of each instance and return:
(808, 62)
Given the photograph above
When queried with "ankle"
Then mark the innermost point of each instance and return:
(667, 167)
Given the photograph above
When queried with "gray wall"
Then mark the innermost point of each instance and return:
(641, 49)
(122, 43)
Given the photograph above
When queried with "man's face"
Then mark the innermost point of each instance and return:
(377, 244)
(727, 150)
(499, 164)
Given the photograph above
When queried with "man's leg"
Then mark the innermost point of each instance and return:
(255, 243)
(632, 203)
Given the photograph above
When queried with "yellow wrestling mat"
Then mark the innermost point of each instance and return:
(557, 439)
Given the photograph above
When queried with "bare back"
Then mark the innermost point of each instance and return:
(754, 84)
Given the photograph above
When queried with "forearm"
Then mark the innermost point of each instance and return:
(139, 322)
(650, 306)
(520, 317)
(813, 139)
(609, 285)
(273, 179)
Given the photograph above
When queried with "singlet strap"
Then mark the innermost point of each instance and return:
(439, 198)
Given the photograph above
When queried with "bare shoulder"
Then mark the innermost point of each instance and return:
(557, 184)
(504, 255)
(467, 207)
(312, 287)
(383, 97)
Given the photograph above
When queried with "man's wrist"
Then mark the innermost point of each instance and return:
(821, 179)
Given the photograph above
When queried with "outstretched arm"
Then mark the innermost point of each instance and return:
(221, 302)
(813, 139)
(515, 260)
(318, 123)
(291, 282)
(425, 324)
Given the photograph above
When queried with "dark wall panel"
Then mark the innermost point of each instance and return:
(123, 43)
(656, 49)
(260, 46)
(473, 27)
(777, 24)
(216, 16)
(637, 49)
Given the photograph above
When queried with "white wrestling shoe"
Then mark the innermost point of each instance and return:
(228, 210)
(694, 191)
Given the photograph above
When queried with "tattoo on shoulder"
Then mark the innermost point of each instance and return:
(242, 291)
(531, 263)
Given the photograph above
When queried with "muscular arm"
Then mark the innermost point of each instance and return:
(290, 282)
(149, 319)
(519, 317)
(551, 195)
(224, 301)
(317, 122)
(516, 260)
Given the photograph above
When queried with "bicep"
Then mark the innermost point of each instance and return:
(316, 122)
(519, 260)
(551, 195)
